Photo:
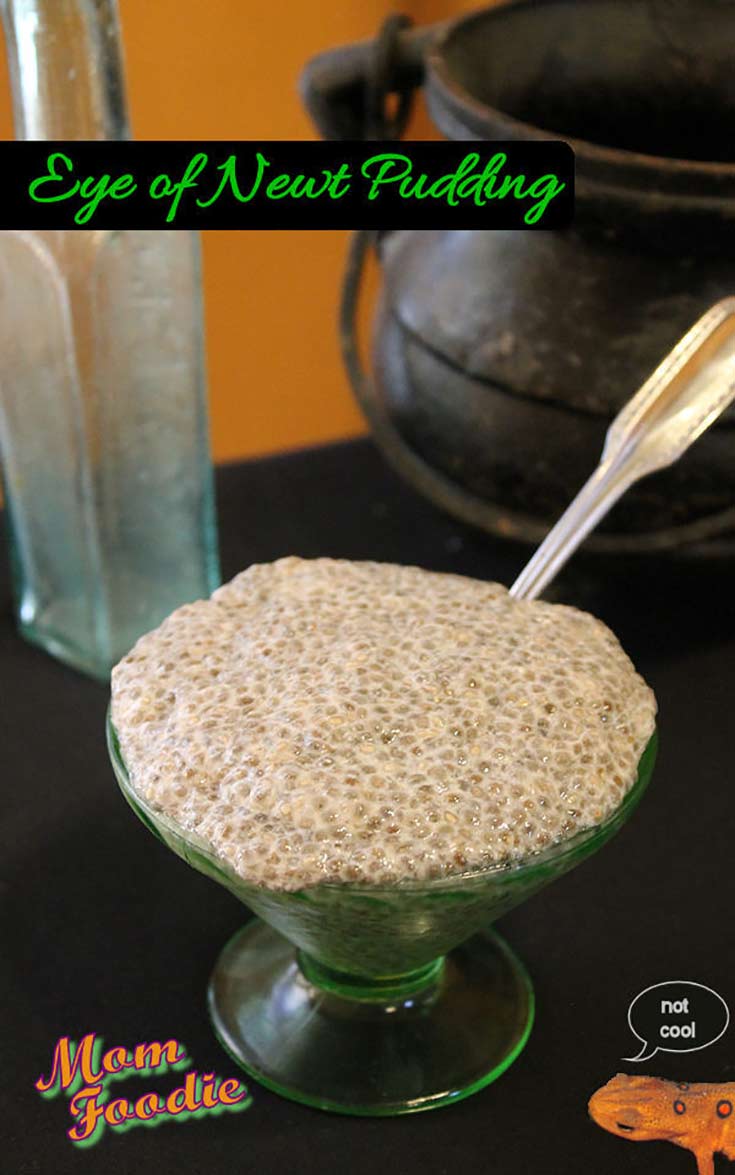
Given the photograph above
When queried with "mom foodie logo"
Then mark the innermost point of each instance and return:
(84, 1071)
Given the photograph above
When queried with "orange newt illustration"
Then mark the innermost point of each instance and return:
(698, 1117)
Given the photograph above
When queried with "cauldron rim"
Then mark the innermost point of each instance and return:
(623, 167)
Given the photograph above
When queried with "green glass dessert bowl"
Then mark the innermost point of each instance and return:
(377, 1000)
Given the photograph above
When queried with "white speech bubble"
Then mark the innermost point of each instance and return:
(643, 1055)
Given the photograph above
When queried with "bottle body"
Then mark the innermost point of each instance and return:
(103, 417)
(103, 436)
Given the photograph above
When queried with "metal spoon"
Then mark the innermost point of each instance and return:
(687, 392)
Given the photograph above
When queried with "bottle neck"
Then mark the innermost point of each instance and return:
(66, 69)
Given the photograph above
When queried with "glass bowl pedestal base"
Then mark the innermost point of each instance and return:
(366, 1046)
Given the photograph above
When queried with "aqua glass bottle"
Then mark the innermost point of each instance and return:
(103, 419)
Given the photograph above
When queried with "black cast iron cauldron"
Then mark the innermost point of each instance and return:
(500, 357)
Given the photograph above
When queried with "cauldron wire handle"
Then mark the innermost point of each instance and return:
(339, 87)
(686, 393)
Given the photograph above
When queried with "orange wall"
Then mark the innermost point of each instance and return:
(227, 69)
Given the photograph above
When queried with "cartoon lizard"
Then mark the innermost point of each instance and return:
(700, 1118)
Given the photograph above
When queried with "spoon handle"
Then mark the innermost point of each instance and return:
(686, 393)
(593, 501)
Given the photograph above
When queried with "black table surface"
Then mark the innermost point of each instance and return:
(104, 930)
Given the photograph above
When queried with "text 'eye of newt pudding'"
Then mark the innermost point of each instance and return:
(332, 721)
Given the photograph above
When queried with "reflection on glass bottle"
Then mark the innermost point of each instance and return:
(103, 422)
